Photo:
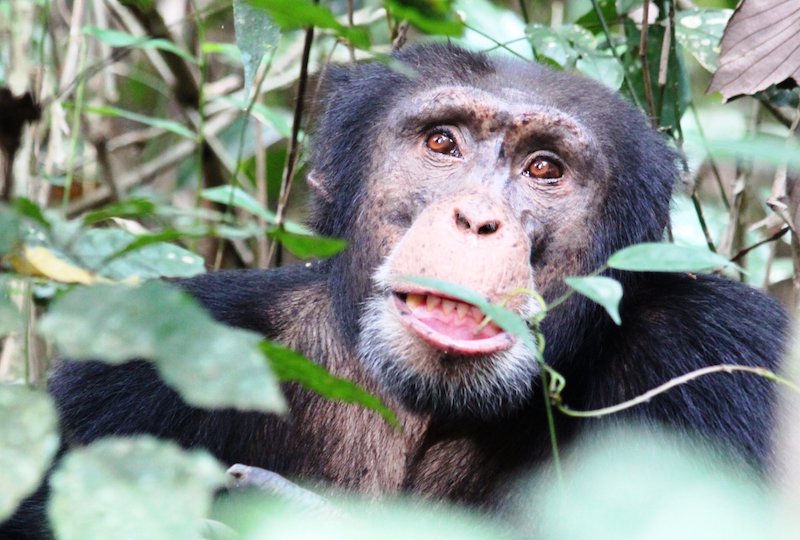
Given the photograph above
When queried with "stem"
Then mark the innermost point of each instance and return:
(677, 381)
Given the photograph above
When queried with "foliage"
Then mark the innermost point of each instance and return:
(164, 150)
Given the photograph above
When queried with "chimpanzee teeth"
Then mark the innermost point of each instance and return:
(432, 302)
(415, 300)
(461, 311)
(447, 306)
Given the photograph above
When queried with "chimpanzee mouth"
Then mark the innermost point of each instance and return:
(450, 325)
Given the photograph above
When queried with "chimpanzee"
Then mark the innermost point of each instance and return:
(498, 175)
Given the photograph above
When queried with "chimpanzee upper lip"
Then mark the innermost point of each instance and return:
(449, 324)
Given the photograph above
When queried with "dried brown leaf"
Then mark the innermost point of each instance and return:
(760, 47)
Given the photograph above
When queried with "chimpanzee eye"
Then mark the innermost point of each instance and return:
(443, 143)
(544, 168)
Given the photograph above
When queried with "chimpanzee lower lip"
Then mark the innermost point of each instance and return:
(453, 327)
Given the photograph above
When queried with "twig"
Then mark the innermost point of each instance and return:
(647, 83)
(701, 218)
(293, 151)
(610, 43)
(748, 249)
(677, 381)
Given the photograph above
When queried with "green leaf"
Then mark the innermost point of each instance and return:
(289, 14)
(504, 318)
(211, 365)
(10, 234)
(304, 246)
(124, 209)
(431, 16)
(256, 35)
(290, 366)
(115, 38)
(604, 290)
(571, 46)
(119, 255)
(28, 208)
(665, 257)
(132, 488)
(232, 195)
(699, 31)
(160, 123)
(28, 429)
(10, 318)
(761, 147)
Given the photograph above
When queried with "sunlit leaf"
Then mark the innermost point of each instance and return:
(256, 35)
(666, 257)
(43, 262)
(132, 488)
(161, 123)
(290, 366)
(304, 246)
(211, 365)
(28, 429)
(115, 38)
(604, 290)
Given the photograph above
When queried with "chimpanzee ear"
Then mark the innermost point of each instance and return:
(319, 185)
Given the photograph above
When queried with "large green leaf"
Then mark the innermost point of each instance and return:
(161, 123)
(290, 366)
(119, 255)
(604, 290)
(128, 208)
(211, 365)
(132, 488)
(238, 197)
(29, 442)
(665, 257)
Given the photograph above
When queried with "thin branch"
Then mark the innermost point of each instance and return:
(610, 43)
(293, 151)
(748, 249)
(701, 218)
(647, 83)
(677, 381)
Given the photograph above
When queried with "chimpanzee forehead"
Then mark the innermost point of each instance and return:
(497, 109)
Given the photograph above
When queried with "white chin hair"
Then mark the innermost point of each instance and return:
(427, 379)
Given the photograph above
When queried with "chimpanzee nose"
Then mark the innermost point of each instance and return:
(477, 217)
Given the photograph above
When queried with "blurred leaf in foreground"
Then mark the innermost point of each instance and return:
(211, 365)
(30, 440)
(627, 485)
(132, 488)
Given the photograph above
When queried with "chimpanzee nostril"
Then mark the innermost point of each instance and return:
(489, 227)
(462, 222)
